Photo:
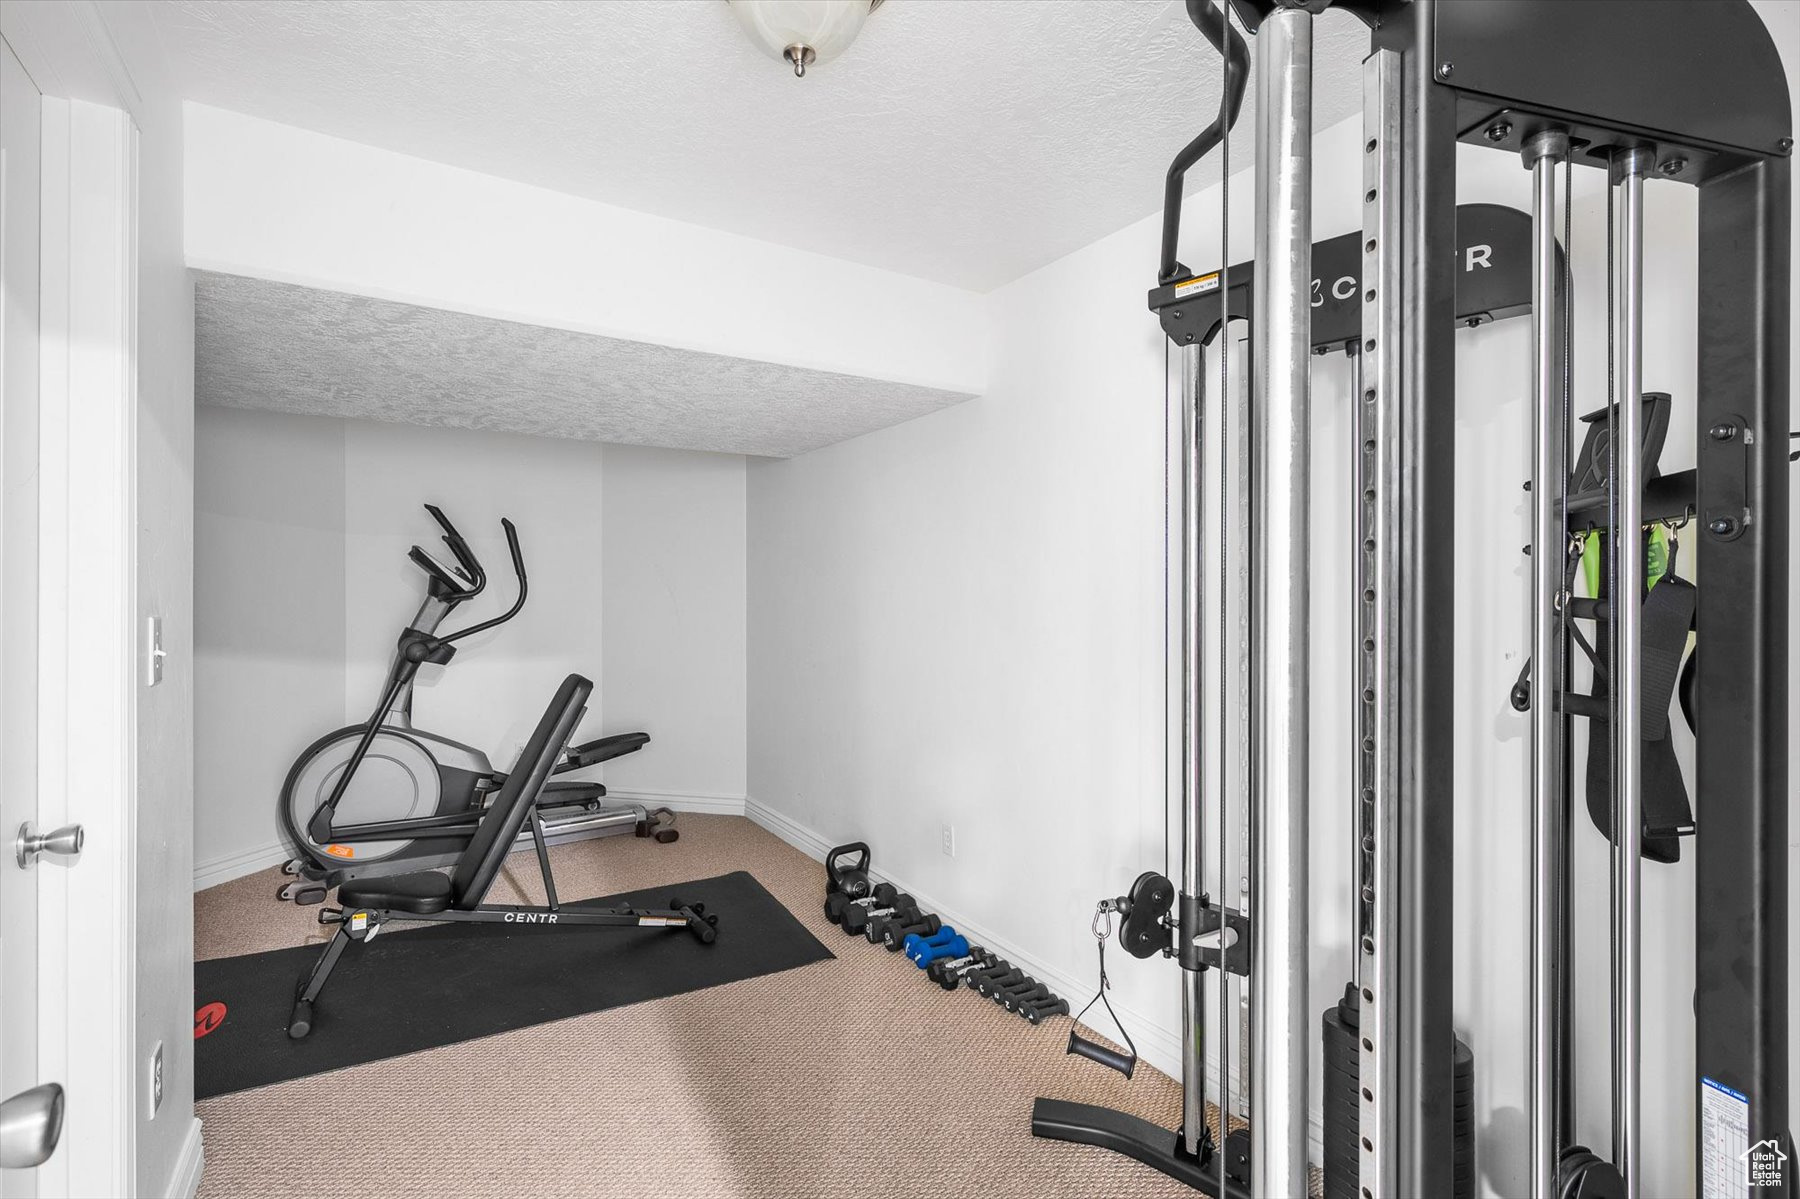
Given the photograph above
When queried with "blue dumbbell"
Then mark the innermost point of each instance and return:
(955, 947)
(914, 940)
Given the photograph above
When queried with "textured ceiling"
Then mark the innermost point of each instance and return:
(276, 346)
(965, 142)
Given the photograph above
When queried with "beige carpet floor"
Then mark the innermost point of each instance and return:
(852, 1077)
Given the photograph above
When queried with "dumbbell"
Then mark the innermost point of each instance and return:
(950, 964)
(839, 904)
(895, 929)
(1036, 1012)
(983, 982)
(925, 953)
(907, 914)
(1014, 997)
(917, 944)
(986, 984)
(865, 915)
(1017, 1000)
(866, 911)
(914, 940)
(949, 973)
(950, 976)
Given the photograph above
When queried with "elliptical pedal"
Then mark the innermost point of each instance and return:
(305, 892)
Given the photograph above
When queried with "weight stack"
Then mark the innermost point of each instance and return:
(1343, 1104)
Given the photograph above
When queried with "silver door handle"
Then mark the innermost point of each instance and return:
(30, 1125)
(65, 842)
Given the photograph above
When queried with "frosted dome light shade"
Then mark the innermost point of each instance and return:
(826, 27)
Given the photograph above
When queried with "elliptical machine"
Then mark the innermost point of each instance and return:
(384, 797)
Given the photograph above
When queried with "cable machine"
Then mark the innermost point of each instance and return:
(1689, 93)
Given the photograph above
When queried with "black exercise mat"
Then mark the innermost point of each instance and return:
(421, 986)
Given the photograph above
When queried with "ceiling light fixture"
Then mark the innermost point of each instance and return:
(803, 31)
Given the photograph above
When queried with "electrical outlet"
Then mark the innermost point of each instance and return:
(156, 1078)
(949, 840)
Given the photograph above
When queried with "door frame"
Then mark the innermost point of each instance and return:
(87, 686)
(87, 744)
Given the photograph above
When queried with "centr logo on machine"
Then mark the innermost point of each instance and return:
(531, 917)
(1763, 1163)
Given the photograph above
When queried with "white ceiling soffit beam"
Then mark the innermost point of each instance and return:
(967, 143)
(273, 202)
(281, 347)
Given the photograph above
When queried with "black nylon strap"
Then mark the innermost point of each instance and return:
(1100, 998)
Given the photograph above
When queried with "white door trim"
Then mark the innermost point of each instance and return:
(88, 583)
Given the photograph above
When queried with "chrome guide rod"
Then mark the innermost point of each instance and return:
(1281, 332)
(1225, 429)
(1188, 423)
(1630, 166)
(1231, 786)
(1381, 504)
(1216, 508)
(1237, 768)
(1549, 484)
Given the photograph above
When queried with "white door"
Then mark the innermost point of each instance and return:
(23, 1103)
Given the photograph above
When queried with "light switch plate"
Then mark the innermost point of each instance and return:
(153, 653)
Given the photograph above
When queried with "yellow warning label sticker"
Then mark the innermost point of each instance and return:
(1197, 286)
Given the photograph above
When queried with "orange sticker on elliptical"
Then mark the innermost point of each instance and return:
(340, 851)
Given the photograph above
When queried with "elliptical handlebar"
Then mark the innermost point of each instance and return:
(518, 563)
(417, 649)
(465, 556)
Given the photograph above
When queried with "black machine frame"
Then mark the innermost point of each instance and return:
(1698, 92)
(1702, 87)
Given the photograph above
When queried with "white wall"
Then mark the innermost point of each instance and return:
(269, 617)
(959, 620)
(303, 528)
(493, 693)
(276, 202)
(166, 1138)
(673, 524)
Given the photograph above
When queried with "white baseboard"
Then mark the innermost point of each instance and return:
(712, 802)
(793, 832)
(1158, 1045)
(214, 871)
(185, 1183)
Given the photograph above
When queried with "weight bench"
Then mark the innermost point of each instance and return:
(457, 897)
(604, 749)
